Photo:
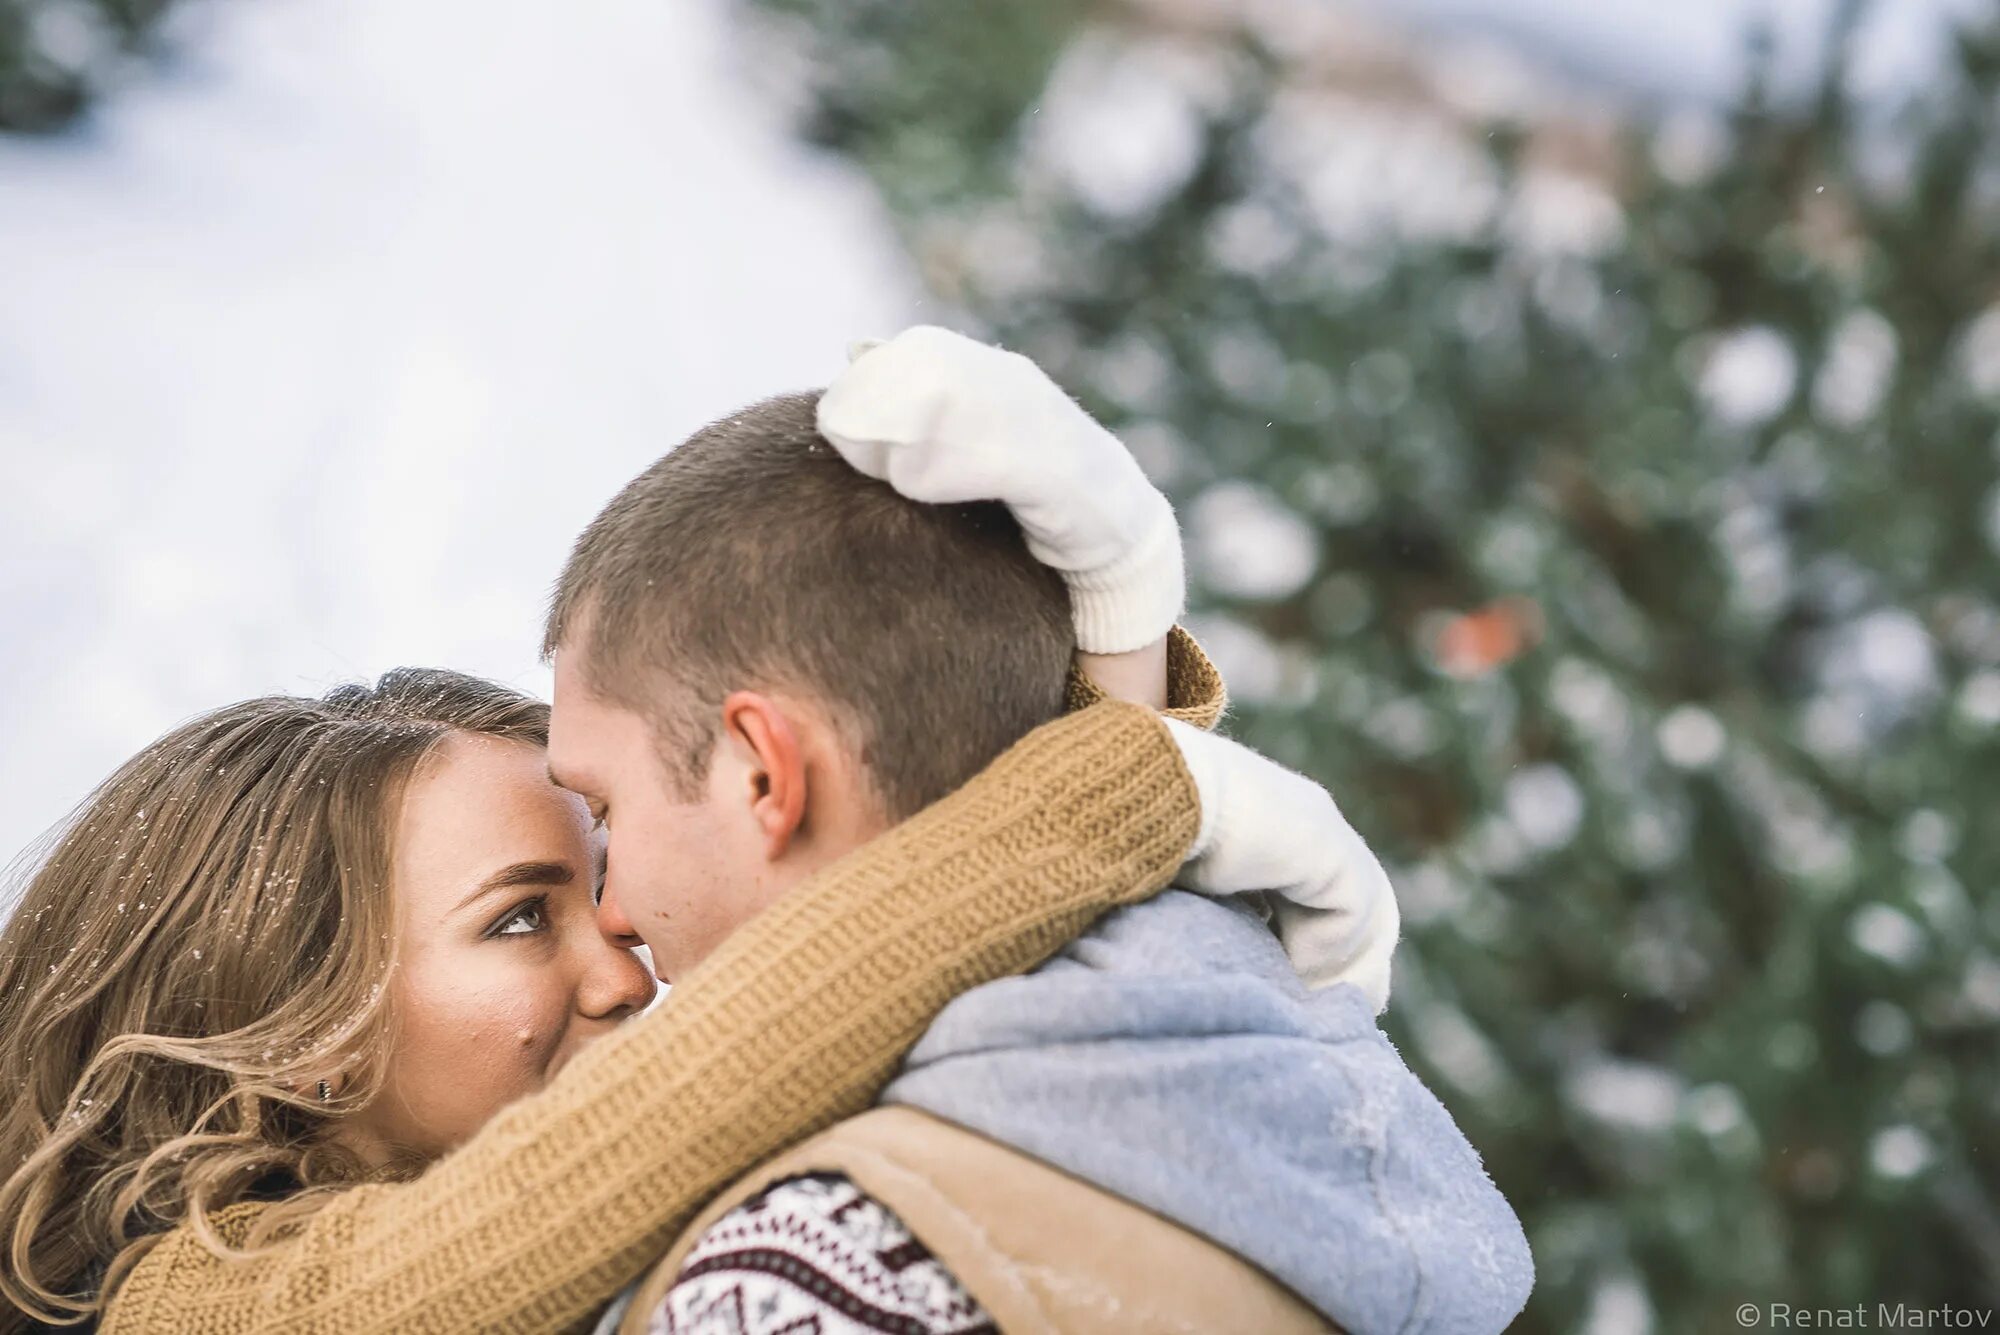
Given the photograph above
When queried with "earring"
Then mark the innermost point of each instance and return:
(326, 1091)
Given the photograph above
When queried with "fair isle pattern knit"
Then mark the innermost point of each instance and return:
(816, 1255)
(795, 1023)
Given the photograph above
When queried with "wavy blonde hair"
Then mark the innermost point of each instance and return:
(209, 937)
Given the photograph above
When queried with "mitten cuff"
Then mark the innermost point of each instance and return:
(1136, 599)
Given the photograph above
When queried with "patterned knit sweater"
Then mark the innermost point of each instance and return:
(795, 1023)
(816, 1255)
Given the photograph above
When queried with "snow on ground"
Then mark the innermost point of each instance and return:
(318, 347)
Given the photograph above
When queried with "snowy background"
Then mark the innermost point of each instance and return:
(318, 347)
(319, 342)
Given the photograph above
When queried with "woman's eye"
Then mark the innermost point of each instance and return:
(526, 920)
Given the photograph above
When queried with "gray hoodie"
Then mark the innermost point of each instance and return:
(1172, 1057)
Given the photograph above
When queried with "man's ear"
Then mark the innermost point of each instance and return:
(777, 766)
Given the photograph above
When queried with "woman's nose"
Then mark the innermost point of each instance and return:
(617, 984)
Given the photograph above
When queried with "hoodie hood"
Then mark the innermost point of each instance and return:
(1173, 1057)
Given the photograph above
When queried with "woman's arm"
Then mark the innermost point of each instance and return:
(1138, 675)
(1195, 691)
(795, 1023)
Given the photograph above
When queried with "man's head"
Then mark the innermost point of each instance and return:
(763, 658)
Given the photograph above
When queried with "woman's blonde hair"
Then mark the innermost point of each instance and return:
(209, 937)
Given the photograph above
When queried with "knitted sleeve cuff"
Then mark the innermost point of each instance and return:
(1196, 693)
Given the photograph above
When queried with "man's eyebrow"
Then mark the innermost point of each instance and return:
(520, 874)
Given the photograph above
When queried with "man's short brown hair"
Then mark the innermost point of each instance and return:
(754, 556)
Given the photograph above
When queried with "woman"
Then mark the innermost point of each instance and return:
(210, 941)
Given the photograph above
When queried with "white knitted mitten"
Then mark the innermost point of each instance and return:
(1264, 827)
(943, 418)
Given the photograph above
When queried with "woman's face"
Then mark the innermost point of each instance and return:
(504, 974)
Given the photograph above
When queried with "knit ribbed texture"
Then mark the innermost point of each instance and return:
(795, 1023)
(1195, 692)
(1131, 602)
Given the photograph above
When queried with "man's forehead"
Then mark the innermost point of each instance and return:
(567, 664)
(570, 726)
(589, 736)
(576, 704)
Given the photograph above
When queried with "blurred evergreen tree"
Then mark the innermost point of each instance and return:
(1619, 547)
(56, 54)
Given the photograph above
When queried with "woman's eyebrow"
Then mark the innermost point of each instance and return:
(520, 874)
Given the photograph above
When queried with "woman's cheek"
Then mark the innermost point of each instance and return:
(499, 1038)
(537, 1022)
(525, 1026)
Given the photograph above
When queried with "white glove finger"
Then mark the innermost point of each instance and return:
(923, 361)
(863, 405)
(911, 392)
(1266, 828)
(851, 418)
(925, 475)
(1328, 947)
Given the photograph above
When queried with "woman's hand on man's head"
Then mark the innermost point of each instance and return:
(943, 418)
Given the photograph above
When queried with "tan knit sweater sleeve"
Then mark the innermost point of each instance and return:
(1195, 693)
(794, 1024)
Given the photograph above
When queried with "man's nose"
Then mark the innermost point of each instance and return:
(611, 921)
(617, 982)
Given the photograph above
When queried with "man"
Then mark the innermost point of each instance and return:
(763, 658)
